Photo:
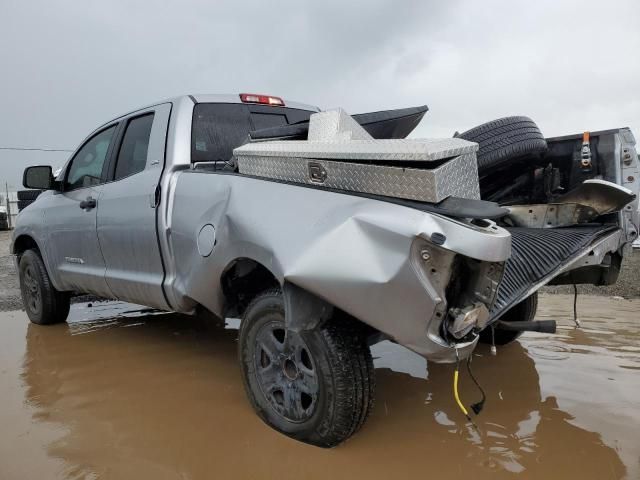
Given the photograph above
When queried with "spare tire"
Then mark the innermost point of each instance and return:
(28, 194)
(504, 140)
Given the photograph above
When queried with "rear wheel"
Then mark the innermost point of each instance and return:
(43, 303)
(525, 311)
(316, 386)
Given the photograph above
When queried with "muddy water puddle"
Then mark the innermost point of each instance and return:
(122, 392)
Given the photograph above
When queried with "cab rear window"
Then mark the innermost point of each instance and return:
(218, 128)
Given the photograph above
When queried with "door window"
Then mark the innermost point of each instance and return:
(86, 166)
(132, 157)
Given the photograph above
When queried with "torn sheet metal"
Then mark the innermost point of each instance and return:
(601, 195)
(550, 215)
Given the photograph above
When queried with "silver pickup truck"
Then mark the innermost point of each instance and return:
(325, 232)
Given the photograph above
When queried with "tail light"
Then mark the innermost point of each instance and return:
(261, 99)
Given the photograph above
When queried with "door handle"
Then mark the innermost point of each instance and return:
(88, 203)
(154, 198)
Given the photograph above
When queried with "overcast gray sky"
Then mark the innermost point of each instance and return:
(67, 66)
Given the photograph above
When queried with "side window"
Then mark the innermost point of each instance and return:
(132, 157)
(217, 129)
(86, 166)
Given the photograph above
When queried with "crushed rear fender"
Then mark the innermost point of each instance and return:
(360, 255)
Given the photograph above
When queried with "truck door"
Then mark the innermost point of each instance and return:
(72, 242)
(127, 214)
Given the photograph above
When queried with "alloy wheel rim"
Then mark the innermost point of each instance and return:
(286, 372)
(32, 291)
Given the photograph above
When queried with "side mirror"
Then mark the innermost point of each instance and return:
(39, 177)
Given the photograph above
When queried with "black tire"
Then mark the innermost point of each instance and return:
(28, 194)
(525, 311)
(316, 386)
(504, 140)
(43, 303)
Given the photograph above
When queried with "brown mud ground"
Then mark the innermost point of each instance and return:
(9, 289)
(123, 394)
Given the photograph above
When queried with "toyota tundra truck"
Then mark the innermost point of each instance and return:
(324, 232)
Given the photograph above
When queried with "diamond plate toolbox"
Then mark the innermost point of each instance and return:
(339, 154)
(458, 177)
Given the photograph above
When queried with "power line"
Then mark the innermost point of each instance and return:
(28, 149)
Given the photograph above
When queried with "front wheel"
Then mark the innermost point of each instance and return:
(43, 303)
(316, 386)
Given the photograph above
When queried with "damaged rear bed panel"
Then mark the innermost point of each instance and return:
(353, 252)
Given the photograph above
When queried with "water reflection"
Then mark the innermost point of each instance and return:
(518, 431)
(160, 396)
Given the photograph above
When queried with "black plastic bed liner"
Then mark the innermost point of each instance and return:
(538, 252)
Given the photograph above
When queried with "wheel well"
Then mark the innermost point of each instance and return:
(244, 279)
(24, 243)
(241, 281)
